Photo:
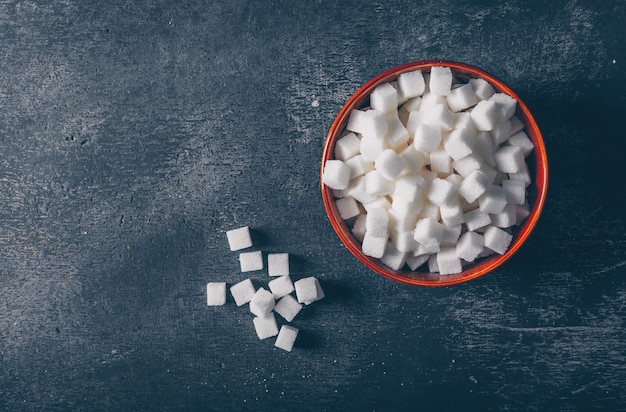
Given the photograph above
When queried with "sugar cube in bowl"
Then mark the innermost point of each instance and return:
(446, 149)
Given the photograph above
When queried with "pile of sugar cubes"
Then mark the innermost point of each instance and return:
(433, 172)
(264, 303)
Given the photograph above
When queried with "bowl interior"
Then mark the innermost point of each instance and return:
(537, 164)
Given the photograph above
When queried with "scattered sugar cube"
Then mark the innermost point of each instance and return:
(384, 98)
(216, 293)
(413, 159)
(416, 261)
(377, 222)
(368, 123)
(278, 264)
(239, 238)
(308, 290)
(336, 174)
(428, 232)
(522, 140)
(347, 147)
(493, 200)
(460, 142)
(473, 186)
(451, 213)
(265, 326)
(378, 185)
(462, 98)
(373, 246)
(497, 239)
(506, 218)
(262, 302)
(427, 138)
(251, 261)
(393, 258)
(398, 135)
(468, 164)
(440, 80)
(510, 159)
(482, 88)
(451, 234)
(389, 164)
(515, 191)
(507, 103)
(447, 261)
(347, 208)
(280, 286)
(469, 246)
(486, 115)
(439, 115)
(242, 292)
(286, 337)
(440, 161)
(288, 307)
(441, 191)
(371, 147)
(475, 219)
(409, 186)
(411, 84)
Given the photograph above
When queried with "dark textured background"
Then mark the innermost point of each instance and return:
(133, 134)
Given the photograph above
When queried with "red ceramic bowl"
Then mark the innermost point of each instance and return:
(537, 163)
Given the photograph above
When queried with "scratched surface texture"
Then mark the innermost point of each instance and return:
(133, 134)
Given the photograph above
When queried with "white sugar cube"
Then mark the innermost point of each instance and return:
(438, 115)
(509, 159)
(506, 218)
(515, 191)
(427, 250)
(522, 140)
(380, 203)
(460, 142)
(373, 246)
(336, 174)
(455, 179)
(347, 208)
(484, 146)
(466, 165)
(440, 80)
(384, 98)
(278, 264)
(239, 238)
(415, 262)
(378, 185)
(508, 104)
(288, 307)
(433, 267)
(429, 100)
(482, 88)
(397, 135)
(280, 286)
(377, 222)
(358, 229)
(393, 258)
(403, 241)
(409, 186)
(447, 261)
(493, 200)
(469, 246)
(428, 232)
(359, 166)
(242, 292)
(405, 206)
(440, 161)
(462, 98)
(371, 147)
(347, 147)
(473, 186)
(251, 261)
(413, 120)
(262, 302)
(402, 220)
(486, 115)
(501, 132)
(427, 138)
(308, 290)
(516, 125)
(441, 191)
(286, 337)
(371, 123)
(215, 293)
(475, 219)
(389, 164)
(497, 239)
(411, 84)
(265, 326)
(429, 211)
(464, 120)
(451, 213)
(358, 190)
(523, 174)
(413, 159)
(451, 234)
(412, 104)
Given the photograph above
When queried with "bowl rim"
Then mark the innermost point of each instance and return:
(473, 271)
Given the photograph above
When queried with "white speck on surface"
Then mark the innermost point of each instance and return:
(316, 103)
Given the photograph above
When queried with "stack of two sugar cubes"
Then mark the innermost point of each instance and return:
(264, 303)
(432, 172)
